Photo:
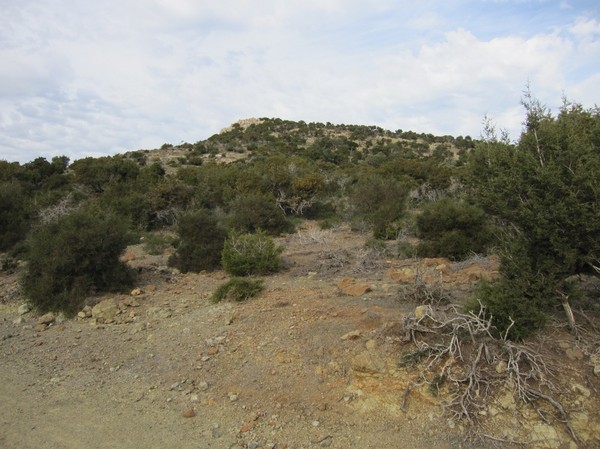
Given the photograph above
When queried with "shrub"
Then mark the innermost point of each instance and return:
(155, 243)
(14, 217)
(381, 203)
(238, 289)
(246, 254)
(201, 239)
(512, 314)
(74, 256)
(255, 211)
(453, 229)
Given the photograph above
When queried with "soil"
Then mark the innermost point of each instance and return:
(301, 366)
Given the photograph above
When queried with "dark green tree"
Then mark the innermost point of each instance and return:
(546, 191)
(74, 256)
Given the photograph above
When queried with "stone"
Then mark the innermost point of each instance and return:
(24, 309)
(353, 335)
(47, 318)
(39, 327)
(137, 292)
(351, 288)
(574, 353)
(404, 275)
(368, 362)
(150, 288)
(233, 397)
(422, 311)
(501, 367)
(507, 401)
(581, 390)
(188, 413)
(371, 344)
(595, 361)
(105, 311)
(19, 320)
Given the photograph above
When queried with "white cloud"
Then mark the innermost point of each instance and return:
(85, 78)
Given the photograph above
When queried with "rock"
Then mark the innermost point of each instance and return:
(105, 310)
(150, 288)
(371, 344)
(353, 335)
(507, 401)
(233, 397)
(368, 363)
(581, 390)
(574, 353)
(19, 320)
(422, 311)
(188, 413)
(595, 361)
(136, 292)
(24, 309)
(39, 327)
(547, 434)
(404, 275)
(47, 318)
(203, 386)
(350, 288)
(501, 367)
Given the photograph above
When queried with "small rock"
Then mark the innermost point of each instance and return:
(47, 318)
(150, 288)
(422, 311)
(351, 335)
(188, 413)
(24, 309)
(595, 360)
(368, 363)
(233, 397)
(371, 345)
(203, 386)
(136, 292)
(580, 389)
(501, 367)
(316, 423)
(19, 320)
(574, 353)
(39, 327)
(194, 398)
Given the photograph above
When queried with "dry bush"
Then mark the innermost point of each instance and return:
(459, 353)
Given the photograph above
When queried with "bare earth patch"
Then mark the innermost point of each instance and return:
(301, 366)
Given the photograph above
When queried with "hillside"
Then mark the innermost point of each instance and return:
(428, 291)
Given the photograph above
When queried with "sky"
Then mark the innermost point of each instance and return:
(92, 78)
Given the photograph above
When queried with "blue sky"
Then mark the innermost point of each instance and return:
(84, 78)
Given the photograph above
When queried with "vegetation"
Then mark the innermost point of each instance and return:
(535, 202)
(238, 289)
(248, 254)
(453, 229)
(201, 239)
(74, 256)
(546, 192)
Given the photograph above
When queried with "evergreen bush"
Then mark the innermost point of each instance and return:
(201, 239)
(74, 256)
(248, 254)
(238, 289)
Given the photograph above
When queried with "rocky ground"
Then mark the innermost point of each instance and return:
(313, 362)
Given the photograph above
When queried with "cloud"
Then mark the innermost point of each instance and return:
(89, 78)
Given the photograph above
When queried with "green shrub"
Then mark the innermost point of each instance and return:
(246, 254)
(238, 289)
(14, 216)
(201, 239)
(512, 313)
(255, 211)
(381, 203)
(73, 256)
(453, 229)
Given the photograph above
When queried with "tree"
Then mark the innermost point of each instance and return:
(201, 240)
(74, 256)
(546, 190)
